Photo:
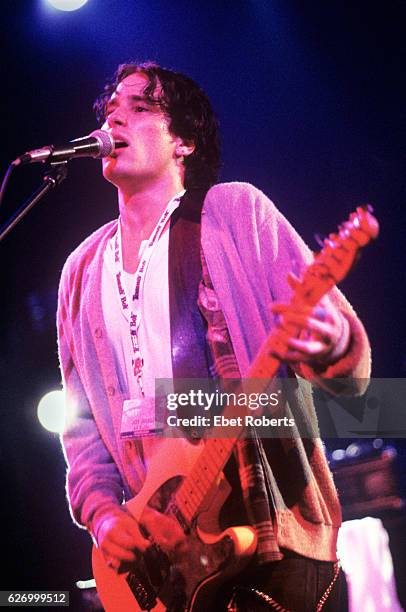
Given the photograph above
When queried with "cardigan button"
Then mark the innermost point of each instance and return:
(98, 332)
(111, 391)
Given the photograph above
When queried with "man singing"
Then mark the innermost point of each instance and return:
(187, 283)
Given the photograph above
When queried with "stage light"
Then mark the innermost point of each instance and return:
(338, 454)
(353, 451)
(51, 411)
(67, 5)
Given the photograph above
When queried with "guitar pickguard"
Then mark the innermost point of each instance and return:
(181, 579)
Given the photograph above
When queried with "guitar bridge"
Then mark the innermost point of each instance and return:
(157, 565)
(142, 590)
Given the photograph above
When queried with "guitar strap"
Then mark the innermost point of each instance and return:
(190, 355)
(190, 358)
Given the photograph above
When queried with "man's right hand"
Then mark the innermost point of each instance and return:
(120, 540)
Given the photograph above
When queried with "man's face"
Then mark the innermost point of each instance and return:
(150, 154)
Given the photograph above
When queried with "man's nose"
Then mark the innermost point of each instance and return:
(116, 117)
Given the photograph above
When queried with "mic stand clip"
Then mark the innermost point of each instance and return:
(56, 174)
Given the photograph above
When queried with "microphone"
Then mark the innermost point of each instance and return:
(97, 144)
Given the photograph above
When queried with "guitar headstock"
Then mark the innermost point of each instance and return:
(338, 255)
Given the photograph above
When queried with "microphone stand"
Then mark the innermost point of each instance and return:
(57, 173)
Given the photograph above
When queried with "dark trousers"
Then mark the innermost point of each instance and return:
(296, 583)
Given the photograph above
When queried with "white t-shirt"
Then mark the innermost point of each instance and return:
(154, 328)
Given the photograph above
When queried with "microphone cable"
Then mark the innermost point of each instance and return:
(6, 178)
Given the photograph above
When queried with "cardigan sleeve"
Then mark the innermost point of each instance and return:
(94, 485)
(286, 251)
(250, 248)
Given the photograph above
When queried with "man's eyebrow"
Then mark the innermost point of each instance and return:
(112, 102)
(132, 98)
(147, 100)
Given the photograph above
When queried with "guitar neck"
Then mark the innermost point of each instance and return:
(217, 451)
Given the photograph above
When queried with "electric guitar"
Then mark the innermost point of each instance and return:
(179, 582)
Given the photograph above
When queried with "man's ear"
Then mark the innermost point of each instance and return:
(184, 148)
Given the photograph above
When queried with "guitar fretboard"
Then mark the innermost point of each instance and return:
(204, 475)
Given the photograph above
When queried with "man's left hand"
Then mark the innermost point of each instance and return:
(317, 335)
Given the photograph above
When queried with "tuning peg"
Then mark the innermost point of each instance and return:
(331, 240)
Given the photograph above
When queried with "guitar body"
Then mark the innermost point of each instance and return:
(180, 581)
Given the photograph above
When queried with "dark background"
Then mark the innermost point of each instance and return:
(310, 102)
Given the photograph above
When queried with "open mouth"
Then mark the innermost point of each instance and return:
(118, 144)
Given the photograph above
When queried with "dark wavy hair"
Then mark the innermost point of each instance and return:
(190, 115)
